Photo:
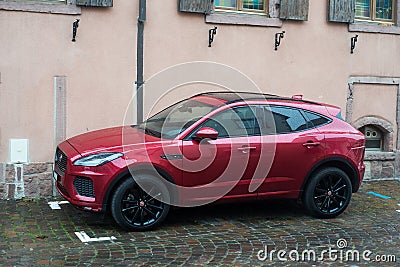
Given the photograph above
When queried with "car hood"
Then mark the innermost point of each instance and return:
(116, 139)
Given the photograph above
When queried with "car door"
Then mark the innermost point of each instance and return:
(223, 167)
(298, 147)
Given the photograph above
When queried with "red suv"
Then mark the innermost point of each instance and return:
(215, 146)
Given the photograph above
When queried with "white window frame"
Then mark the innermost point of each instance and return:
(68, 8)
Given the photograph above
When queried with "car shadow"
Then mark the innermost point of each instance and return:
(242, 211)
(213, 214)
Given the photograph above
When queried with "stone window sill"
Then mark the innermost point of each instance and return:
(243, 19)
(379, 155)
(59, 8)
(373, 28)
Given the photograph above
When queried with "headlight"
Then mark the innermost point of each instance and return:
(97, 159)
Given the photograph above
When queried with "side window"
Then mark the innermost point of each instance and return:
(288, 120)
(235, 122)
(315, 119)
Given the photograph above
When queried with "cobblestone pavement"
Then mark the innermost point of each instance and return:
(32, 234)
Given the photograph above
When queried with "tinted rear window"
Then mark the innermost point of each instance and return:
(316, 119)
(288, 120)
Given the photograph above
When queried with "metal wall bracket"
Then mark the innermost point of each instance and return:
(75, 26)
(278, 37)
(353, 43)
(211, 33)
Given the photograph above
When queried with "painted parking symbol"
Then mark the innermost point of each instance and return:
(85, 238)
(55, 205)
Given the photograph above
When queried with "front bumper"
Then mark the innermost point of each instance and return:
(83, 187)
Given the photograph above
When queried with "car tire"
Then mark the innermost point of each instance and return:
(133, 209)
(327, 193)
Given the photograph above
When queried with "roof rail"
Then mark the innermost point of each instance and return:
(254, 96)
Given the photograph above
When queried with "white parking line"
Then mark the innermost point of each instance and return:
(55, 205)
(85, 238)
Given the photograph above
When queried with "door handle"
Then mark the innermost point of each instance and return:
(246, 149)
(311, 144)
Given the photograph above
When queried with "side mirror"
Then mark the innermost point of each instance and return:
(206, 132)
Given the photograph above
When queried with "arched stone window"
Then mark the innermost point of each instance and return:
(378, 132)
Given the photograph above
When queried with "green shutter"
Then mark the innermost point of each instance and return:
(101, 3)
(196, 6)
(294, 9)
(341, 10)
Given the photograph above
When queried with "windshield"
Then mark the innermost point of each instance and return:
(173, 120)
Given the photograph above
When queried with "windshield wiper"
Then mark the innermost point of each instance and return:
(150, 131)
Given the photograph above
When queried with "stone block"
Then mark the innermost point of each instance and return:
(3, 191)
(35, 168)
(387, 169)
(11, 191)
(367, 174)
(45, 184)
(10, 173)
(2, 172)
(376, 169)
(31, 186)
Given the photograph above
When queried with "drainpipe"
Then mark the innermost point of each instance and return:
(139, 65)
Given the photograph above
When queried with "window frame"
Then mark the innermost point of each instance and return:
(192, 134)
(268, 19)
(328, 120)
(372, 17)
(239, 8)
(301, 113)
(378, 26)
(310, 125)
(381, 138)
(68, 7)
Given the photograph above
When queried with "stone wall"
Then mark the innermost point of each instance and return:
(379, 164)
(25, 180)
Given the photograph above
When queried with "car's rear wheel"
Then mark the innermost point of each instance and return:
(135, 209)
(328, 193)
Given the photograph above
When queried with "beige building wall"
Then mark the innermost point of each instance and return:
(375, 100)
(100, 67)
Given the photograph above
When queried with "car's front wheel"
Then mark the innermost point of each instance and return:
(328, 193)
(135, 209)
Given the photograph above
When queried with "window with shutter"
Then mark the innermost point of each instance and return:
(246, 12)
(294, 9)
(375, 10)
(258, 6)
(196, 6)
(341, 10)
(99, 3)
(68, 7)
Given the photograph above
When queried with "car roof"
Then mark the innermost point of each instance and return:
(232, 97)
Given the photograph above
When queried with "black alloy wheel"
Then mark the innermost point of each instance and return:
(136, 209)
(328, 193)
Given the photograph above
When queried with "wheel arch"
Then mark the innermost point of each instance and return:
(340, 163)
(126, 173)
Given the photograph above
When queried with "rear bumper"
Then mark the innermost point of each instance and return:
(361, 172)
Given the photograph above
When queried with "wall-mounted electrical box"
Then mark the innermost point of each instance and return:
(19, 150)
